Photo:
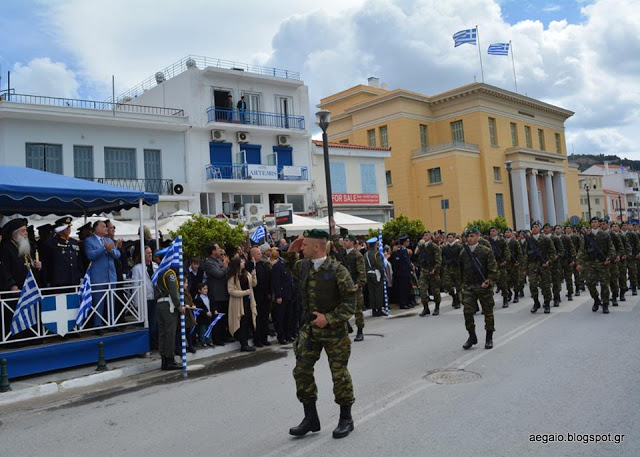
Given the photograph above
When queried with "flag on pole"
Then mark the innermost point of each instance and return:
(622, 169)
(259, 234)
(465, 37)
(25, 315)
(171, 259)
(498, 49)
(86, 300)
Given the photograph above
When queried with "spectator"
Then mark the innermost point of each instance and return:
(190, 321)
(282, 290)
(216, 267)
(202, 302)
(242, 108)
(229, 108)
(118, 305)
(263, 295)
(242, 303)
(195, 276)
(144, 272)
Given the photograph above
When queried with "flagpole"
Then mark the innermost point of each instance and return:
(513, 64)
(183, 328)
(479, 52)
(384, 274)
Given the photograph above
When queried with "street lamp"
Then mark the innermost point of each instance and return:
(586, 187)
(322, 119)
(620, 206)
(508, 164)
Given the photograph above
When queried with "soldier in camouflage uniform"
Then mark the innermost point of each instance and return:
(479, 272)
(451, 268)
(327, 302)
(430, 261)
(556, 265)
(355, 263)
(595, 256)
(576, 241)
(515, 262)
(523, 264)
(567, 261)
(636, 231)
(168, 308)
(634, 251)
(540, 254)
(503, 258)
(614, 275)
(624, 253)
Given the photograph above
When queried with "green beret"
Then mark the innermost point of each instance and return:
(316, 233)
(508, 230)
(425, 232)
(350, 237)
(595, 218)
(546, 224)
(536, 223)
(473, 229)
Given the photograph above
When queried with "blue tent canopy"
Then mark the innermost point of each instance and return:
(27, 191)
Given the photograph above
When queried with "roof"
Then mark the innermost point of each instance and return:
(350, 146)
(611, 192)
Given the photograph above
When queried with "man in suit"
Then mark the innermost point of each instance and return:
(216, 267)
(102, 253)
(402, 272)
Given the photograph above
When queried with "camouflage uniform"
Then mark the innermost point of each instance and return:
(567, 262)
(614, 267)
(634, 250)
(577, 242)
(539, 276)
(523, 265)
(622, 266)
(595, 250)
(451, 268)
(556, 268)
(355, 263)
(430, 260)
(500, 251)
(472, 290)
(514, 273)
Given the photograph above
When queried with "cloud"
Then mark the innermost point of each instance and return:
(41, 76)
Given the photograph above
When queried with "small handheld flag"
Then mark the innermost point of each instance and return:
(25, 315)
(259, 234)
(207, 334)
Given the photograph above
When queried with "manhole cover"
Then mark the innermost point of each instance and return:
(451, 377)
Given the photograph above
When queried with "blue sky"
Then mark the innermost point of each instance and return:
(515, 11)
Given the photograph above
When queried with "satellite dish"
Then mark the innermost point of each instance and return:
(191, 63)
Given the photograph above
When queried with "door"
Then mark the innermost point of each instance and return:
(253, 108)
(284, 156)
(220, 156)
(220, 97)
(285, 109)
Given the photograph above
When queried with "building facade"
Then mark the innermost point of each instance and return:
(619, 189)
(456, 145)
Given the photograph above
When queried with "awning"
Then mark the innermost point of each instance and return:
(356, 225)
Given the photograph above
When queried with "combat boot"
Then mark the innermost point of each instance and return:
(473, 339)
(345, 423)
(349, 327)
(521, 293)
(359, 335)
(577, 294)
(436, 310)
(547, 307)
(556, 302)
(614, 300)
(516, 297)
(622, 296)
(596, 305)
(605, 308)
(505, 302)
(425, 311)
(456, 302)
(570, 297)
(310, 423)
(488, 342)
(634, 291)
(536, 306)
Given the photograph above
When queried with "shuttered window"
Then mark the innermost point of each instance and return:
(338, 178)
(120, 163)
(44, 157)
(83, 161)
(368, 178)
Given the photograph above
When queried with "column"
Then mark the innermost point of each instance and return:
(533, 196)
(548, 191)
(560, 197)
(520, 199)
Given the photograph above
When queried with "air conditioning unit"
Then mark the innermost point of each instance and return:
(282, 140)
(253, 212)
(243, 137)
(281, 207)
(218, 135)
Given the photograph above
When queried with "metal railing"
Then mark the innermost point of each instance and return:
(90, 104)
(459, 145)
(155, 186)
(116, 305)
(203, 62)
(223, 171)
(260, 118)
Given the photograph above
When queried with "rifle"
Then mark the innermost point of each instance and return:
(535, 249)
(423, 257)
(474, 261)
(496, 250)
(593, 244)
(447, 260)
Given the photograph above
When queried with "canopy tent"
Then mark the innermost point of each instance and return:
(301, 223)
(27, 191)
(356, 225)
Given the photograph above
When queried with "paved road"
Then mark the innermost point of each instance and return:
(572, 371)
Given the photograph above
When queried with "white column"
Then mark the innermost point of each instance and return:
(533, 196)
(520, 199)
(560, 197)
(548, 192)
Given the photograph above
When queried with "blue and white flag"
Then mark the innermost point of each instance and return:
(498, 49)
(259, 234)
(86, 300)
(207, 334)
(170, 259)
(25, 315)
(59, 313)
(622, 169)
(465, 36)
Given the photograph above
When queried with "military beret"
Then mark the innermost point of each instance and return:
(425, 232)
(493, 227)
(615, 223)
(473, 229)
(451, 234)
(14, 224)
(594, 218)
(350, 237)
(546, 224)
(373, 240)
(316, 233)
(508, 229)
(403, 238)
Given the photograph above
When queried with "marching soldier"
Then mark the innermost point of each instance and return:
(634, 247)
(595, 256)
(479, 271)
(614, 274)
(355, 263)
(168, 308)
(540, 255)
(556, 264)
(515, 259)
(501, 254)
(430, 262)
(451, 268)
(327, 302)
(567, 261)
(64, 256)
(624, 252)
(577, 241)
(522, 240)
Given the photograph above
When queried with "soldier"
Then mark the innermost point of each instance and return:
(451, 267)
(64, 256)
(355, 263)
(540, 255)
(479, 272)
(614, 274)
(402, 267)
(566, 261)
(515, 260)
(501, 254)
(634, 252)
(327, 302)
(556, 264)
(168, 307)
(624, 252)
(523, 264)
(595, 256)
(374, 264)
(576, 241)
(430, 261)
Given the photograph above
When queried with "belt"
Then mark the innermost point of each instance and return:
(163, 300)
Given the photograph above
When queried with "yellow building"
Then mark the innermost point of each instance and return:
(456, 146)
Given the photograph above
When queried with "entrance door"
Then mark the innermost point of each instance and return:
(220, 102)
(275, 199)
(285, 109)
(284, 156)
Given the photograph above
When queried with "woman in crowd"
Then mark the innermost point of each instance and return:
(242, 303)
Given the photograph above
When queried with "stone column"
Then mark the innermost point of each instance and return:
(549, 203)
(533, 196)
(560, 197)
(520, 199)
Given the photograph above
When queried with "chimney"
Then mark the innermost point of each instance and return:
(606, 167)
(373, 81)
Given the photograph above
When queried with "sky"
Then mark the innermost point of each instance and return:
(582, 55)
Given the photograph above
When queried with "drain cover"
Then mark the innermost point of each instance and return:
(451, 376)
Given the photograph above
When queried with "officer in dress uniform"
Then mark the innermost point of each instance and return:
(64, 256)
(402, 272)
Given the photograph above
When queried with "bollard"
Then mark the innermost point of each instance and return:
(4, 377)
(102, 364)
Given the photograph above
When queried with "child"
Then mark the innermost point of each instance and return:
(201, 301)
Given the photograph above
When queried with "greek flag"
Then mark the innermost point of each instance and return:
(207, 334)
(465, 36)
(25, 315)
(622, 169)
(85, 300)
(259, 234)
(498, 49)
(171, 259)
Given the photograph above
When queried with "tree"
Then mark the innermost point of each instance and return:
(399, 226)
(499, 222)
(200, 231)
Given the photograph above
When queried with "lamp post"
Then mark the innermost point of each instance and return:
(322, 119)
(586, 187)
(508, 164)
(620, 206)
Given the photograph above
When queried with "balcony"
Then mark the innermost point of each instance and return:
(235, 171)
(446, 147)
(258, 118)
(155, 186)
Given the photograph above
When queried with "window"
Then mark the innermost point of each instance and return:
(424, 139)
(493, 134)
(338, 178)
(500, 205)
(596, 201)
(83, 161)
(558, 144)
(527, 137)
(371, 138)
(44, 157)
(457, 132)
(387, 175)
(434, 175)
(120, 163)
(384, 138)
(207, 203)
(541, 139)
(497, 174)
(368, 178)
(514, 134)
(243, 199)
(297, 201)
(153, 171)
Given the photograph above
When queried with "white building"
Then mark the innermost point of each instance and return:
(358, 182)
(621, 189)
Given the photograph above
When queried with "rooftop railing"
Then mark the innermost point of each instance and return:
(220, 171)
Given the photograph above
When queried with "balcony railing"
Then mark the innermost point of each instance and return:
(458, 145)
(89, 104)
(260, 118)
(226, 171)
(155, 186)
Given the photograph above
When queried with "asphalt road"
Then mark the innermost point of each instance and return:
(564, 375)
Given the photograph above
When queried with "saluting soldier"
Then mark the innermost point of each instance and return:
(634, 251)
(168, 308)
(430, 261)
(64, 256)
(451, 267)
(479, 271)
(566, 261)
(624, 252)
(540, 254)
(515, 264)
(614, 273)
(595, 256)
(355, 263)
(501, 253)
(556, 263)
(327, 302)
